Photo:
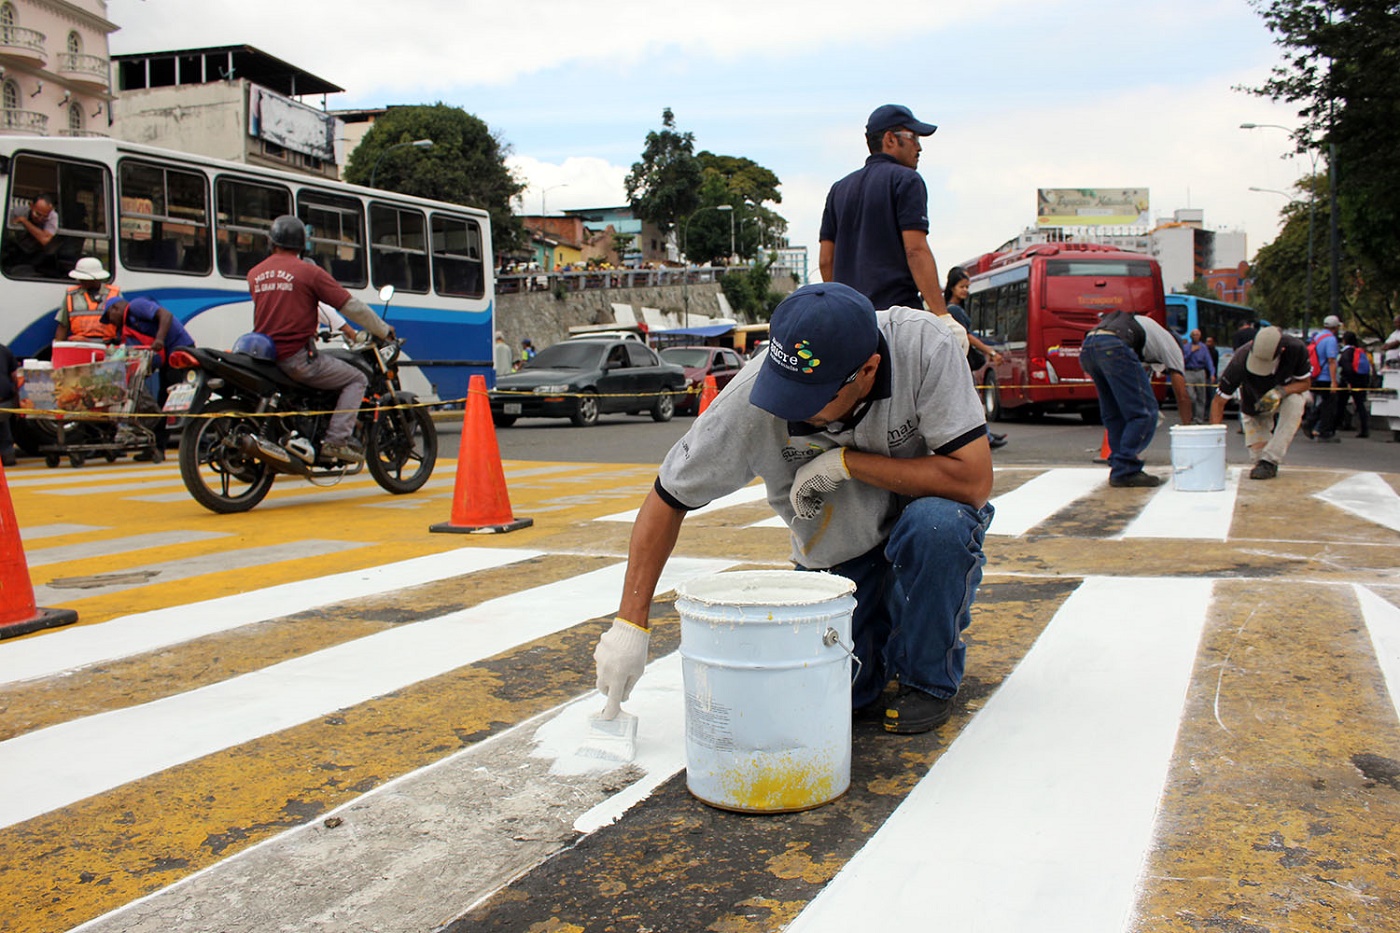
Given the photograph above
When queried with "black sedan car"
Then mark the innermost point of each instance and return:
(581, 379)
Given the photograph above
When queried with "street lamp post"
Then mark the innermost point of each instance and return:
(417, 144)
(1312, 214)
(685, 273)
(544, 206)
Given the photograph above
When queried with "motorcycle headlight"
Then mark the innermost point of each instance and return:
(551, 390)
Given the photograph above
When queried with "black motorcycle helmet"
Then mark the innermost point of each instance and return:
(289, 232)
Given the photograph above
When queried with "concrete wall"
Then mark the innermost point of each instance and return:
(546, 319)
(208, 119)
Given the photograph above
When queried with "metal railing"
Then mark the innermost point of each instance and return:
(75, 133)
(514, 283)
(24, 121)
(83, 64)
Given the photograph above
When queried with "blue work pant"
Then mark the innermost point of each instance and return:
(1125, 400)
(914, 597)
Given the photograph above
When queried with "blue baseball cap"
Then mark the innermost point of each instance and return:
(892, 116)
(818, 337)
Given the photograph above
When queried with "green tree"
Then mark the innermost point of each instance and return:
(750, 290)
(466, 164)
(1199, 288)
(1341, 67)
(664, 186)
(1280, 270)
(747, 186)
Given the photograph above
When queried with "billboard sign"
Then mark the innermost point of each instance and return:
(1090, 207)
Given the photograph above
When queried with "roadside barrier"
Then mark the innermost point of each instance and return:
(18, 614)
(480, 502)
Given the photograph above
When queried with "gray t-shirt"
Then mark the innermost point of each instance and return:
(1162, 351)
(929, 405)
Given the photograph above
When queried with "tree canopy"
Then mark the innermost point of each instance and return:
(1341, 68)
(465, 165)
(665, 184)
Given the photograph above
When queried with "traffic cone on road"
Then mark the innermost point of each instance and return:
(480, 503)
(1104, 450)
(18, 614)
(708, 391)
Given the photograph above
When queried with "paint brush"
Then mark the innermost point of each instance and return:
(612, 734)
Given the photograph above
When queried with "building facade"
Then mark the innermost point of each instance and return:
(55, 72)
(229, 102)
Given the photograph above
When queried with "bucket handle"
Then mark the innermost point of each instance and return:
(832, 637)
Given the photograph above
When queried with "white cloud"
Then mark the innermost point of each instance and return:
(574, 183)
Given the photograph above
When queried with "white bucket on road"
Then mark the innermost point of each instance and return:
(767, 668)
(1198, 457)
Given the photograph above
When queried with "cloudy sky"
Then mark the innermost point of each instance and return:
(1026, 93)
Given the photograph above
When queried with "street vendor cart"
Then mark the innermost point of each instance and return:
(90, 409)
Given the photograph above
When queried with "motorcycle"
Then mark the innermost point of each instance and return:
(249, 423)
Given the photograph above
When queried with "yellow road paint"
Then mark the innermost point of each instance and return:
(1278, 813)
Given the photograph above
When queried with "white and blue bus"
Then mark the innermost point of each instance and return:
(184, 230)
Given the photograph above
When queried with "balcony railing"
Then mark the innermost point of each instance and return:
(23, 122)
(76, 133)
(27, 43)
(91, 69)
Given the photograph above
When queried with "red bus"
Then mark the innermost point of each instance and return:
(1036, 305)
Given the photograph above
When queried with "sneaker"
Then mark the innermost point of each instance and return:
(912, 711)
(348, 452)
(996, 440)
(1264, 469)
(8, 458)
(1136, 479)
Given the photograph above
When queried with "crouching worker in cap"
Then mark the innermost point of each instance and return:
(1271, 376)
(870, 438)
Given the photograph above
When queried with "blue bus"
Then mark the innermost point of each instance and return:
(184, 230)
(1217, 319)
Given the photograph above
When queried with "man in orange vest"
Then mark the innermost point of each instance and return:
(81, 315)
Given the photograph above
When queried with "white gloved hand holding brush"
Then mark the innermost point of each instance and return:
(622, 657)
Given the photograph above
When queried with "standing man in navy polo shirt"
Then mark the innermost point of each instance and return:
(874, 234)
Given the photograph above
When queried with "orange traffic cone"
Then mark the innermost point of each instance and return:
(480, 503)
(708, 391)
(18, 614)
(1104, 450)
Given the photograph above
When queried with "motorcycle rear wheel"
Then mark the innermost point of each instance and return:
(402, 449)
(217, 474)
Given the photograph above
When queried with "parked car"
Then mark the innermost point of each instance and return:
(580, 379)
(721, 362)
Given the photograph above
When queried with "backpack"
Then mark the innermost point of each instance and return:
(1313, 363)
(1354, 362)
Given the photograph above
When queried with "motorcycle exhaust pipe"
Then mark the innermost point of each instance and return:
(272, 454)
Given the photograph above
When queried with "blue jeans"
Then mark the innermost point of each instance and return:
(914, 598)
(1125, 400)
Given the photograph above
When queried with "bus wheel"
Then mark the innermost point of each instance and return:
(991, 397)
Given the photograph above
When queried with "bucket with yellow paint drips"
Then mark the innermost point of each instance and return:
(766, 661)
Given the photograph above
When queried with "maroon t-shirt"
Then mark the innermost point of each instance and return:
(286, 290)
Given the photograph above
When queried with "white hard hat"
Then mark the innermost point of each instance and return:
(89, 269)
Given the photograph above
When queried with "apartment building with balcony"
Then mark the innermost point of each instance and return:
(55, 74)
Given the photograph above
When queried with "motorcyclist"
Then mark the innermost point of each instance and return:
(286, 292)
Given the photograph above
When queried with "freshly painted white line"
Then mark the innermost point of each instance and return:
(1037, 499)
(658, 702)
(54, 767)
(109, 546)
(775, 522)
(1368, 496)
(1040, 815)
(1171, 513)
(1383, 622)
(747, 494)
(55, 531)
(164, 573)
(79, 646)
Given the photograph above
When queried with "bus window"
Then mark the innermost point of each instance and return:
(245, 211)
(457, 264)
(337, 236)
(164, 219)
(398, 248)
(1079, 290)
(1013, 313)
(81, 194)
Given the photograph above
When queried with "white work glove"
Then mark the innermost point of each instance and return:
(816, 478)
(622, 656)
(1268, 402)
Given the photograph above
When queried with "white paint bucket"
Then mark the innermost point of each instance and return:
(1198, 457)
(766, 660)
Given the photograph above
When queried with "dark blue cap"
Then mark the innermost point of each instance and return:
(893, 116)
(818, 337)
